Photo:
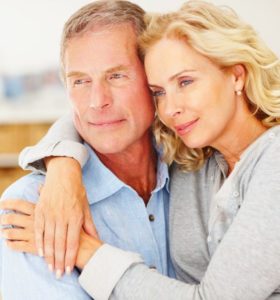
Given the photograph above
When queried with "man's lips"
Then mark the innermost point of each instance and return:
(106, 123)
(186, 127)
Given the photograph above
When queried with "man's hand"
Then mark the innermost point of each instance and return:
(22, 238)
(61, 212)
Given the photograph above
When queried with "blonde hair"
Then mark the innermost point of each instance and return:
(101, 13)
(217, 33)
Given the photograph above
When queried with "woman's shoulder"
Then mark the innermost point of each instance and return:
(265, 149)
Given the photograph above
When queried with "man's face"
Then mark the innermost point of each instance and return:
(107, 86)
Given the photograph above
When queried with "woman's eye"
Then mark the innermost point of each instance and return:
(157, 93)
(185, 82)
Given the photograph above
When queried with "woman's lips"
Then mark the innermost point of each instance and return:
(186, 127)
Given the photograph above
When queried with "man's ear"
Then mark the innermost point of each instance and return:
(239, 76)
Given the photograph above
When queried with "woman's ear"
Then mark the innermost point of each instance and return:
(239, 75)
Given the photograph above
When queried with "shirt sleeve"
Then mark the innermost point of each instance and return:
(245, 266)
(62, 139)
(26, 276)
(107, 260)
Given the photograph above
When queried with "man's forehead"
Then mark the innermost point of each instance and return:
(107, 29)
(102, 49)
(112, 69)
(102, 40)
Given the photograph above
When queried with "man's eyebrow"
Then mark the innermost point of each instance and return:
(117, 69)
(74, 74)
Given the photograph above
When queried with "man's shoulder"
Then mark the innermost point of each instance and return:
(26, 188)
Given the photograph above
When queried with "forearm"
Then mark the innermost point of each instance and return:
(247, 273)
(62, 139)
(245, 266)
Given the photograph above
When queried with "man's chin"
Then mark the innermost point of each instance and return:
(108, 147)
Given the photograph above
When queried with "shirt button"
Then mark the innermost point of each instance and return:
(271, 135)
(151, 218)
(235, 194)
(153, 267)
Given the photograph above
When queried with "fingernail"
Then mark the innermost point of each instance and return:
(40, 252)
(68, 270)
(58, 274)
(50, 267)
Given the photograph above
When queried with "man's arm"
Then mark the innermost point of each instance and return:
(26, 276)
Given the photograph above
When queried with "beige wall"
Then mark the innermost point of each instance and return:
(13, 138)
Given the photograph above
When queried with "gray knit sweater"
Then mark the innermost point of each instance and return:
(225, 235)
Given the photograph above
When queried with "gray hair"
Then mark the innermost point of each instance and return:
(101, 13)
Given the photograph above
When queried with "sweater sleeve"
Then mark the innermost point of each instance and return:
(62, 139)
(246, 264)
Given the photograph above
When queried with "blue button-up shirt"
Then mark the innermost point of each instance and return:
(121, 219)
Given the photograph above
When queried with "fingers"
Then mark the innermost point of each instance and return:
(39, 224)
(16, 234)
(88, 225)
(49, 244)
(72, 245)
(60, 244)
(22, 246)
(16, 220)
(18, 205)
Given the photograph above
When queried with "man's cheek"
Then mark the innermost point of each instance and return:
(77, 122)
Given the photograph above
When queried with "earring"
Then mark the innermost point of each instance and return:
(238, 93)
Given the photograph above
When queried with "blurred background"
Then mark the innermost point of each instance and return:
(31, 94)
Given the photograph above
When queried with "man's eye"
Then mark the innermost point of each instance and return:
(80, 81)
(185, 82)
(116, 76)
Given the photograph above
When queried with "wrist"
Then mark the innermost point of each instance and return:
(64, 167)
(87, 248)
(53, 162)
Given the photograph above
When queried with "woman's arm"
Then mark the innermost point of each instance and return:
(245, 266)
(62, 139)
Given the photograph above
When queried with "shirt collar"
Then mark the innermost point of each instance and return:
(221, 162)
(100, 182)
(162, 175)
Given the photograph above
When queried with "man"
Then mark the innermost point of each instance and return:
(125, 181)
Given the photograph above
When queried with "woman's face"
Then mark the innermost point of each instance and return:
(194, 97)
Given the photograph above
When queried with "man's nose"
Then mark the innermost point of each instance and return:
(100, 97)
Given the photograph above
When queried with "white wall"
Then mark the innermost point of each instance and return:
(30, 29)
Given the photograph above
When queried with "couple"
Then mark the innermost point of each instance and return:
(216, 90)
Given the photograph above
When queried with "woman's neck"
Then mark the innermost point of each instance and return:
(238, 138)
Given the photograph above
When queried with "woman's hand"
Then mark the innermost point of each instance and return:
(22, 238)
(61, 212)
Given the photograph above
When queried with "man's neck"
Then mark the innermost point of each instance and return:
(136, 166)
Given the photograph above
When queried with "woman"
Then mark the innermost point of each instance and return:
(217, 89)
